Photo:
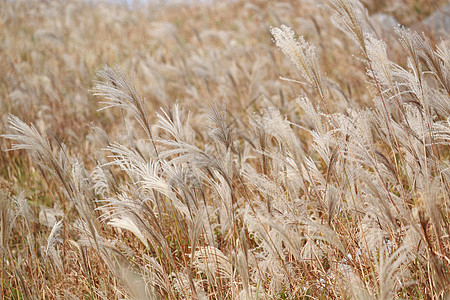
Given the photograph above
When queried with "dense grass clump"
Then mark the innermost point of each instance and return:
(174, 153)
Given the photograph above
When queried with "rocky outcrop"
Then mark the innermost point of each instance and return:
(383, 24)
(437, 24)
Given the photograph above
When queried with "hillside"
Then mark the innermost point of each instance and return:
(225, 150)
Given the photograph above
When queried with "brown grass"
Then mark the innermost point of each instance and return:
(203, 163)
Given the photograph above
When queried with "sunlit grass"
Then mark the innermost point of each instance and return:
(175, 153)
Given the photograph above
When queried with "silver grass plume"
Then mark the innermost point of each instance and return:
(119, 92)
(303, 55)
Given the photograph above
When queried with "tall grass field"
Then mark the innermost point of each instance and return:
(295, 149)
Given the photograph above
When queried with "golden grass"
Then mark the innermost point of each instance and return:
(238, 223)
